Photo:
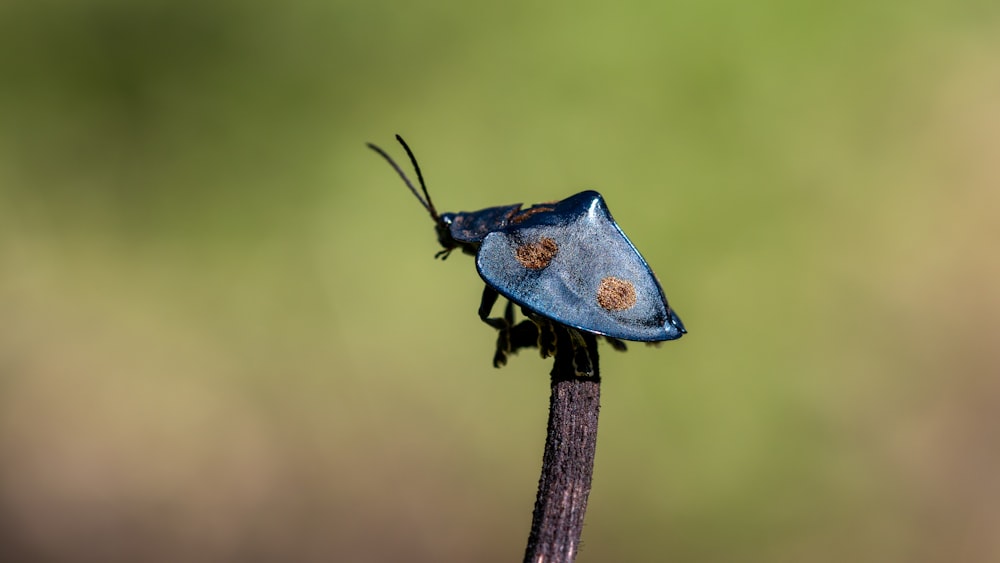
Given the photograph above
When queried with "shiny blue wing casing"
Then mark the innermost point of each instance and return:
(570, 262)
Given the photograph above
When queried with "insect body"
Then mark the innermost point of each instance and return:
(565, 262)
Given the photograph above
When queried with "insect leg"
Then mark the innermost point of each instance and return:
(511, 337)
(578, 352)
(503, 327)
(502, 324)
(490, 297)
(618, 345)
(524, 335)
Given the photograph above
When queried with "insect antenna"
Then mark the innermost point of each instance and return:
(427, 203)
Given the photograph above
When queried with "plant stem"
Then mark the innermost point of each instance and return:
(568, 461)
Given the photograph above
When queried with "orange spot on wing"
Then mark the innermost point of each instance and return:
(536, 255)
(615, 294)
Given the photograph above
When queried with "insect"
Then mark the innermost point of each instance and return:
(565, 263)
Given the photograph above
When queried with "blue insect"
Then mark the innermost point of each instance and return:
(565, 262)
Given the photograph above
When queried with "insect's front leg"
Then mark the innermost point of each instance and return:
(510, 337)
(490, 297)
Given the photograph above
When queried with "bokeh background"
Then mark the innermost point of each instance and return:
(223, 336)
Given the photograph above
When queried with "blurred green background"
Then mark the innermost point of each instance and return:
(223, 336)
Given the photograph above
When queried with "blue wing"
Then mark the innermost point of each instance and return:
(572, 264)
